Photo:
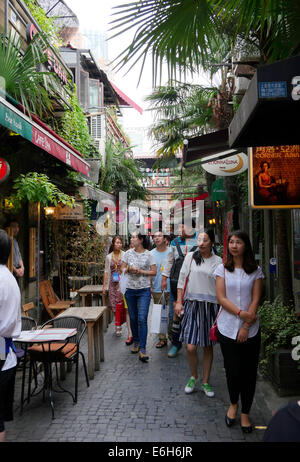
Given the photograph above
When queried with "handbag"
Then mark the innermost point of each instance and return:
(120, 314)
(160, 317)
(123, 282)
(213, 331)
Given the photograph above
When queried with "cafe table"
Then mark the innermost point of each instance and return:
(42, 336)
(90, 290)
(93, 315)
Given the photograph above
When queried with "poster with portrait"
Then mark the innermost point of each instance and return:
(275, 177)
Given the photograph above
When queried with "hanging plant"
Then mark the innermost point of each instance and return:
(36, 187)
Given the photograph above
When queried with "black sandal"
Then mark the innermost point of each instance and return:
(161, 344)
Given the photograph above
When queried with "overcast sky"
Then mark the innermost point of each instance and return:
(95, 14)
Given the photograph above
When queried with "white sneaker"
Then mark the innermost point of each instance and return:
(190, 386)
(207, 390)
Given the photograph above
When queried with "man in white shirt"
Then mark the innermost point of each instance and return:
(10, 327)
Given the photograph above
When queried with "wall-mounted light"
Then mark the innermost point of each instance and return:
(49, 211)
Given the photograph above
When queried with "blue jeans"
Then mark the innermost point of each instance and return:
(138, 301)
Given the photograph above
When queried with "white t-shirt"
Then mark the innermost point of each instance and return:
(142, 261)
(239, 286)
(10, 311)
(201, 284)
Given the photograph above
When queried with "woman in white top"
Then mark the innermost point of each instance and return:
(200, 307)
(140, 265)
(10, 327)
(239, 287)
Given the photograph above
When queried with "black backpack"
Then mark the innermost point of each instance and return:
(176, 267)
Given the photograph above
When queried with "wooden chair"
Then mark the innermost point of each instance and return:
(51, 301)
(27, 307)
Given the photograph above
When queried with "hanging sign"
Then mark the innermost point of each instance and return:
(229, 166)
(274, 177)
(4, 169)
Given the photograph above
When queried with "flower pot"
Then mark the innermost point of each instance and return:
(283, 373)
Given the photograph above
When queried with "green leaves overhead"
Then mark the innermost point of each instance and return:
(21, 78)
(36, 187)
(183, 34)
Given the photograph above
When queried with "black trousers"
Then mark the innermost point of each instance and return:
(7, 389)
(241, 363)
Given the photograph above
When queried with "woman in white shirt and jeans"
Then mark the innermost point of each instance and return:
(10, 327)
(200, 307)
(239, 287)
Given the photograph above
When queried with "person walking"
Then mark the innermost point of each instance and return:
(10, 327)
(239, 288)
(140, 265)
(199, 307)
(160, 253)
(111, 277)
(180, 246)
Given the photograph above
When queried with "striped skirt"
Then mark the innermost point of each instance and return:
(197, 320)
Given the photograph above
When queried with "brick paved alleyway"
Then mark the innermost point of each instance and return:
(131, 401)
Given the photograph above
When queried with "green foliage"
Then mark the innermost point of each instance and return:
(47, 24)
(121, 173)
(279, 324)
(74, 129)
(181, 110)
(21, 79)
(188, 179)
(185, 34)
(36, 187)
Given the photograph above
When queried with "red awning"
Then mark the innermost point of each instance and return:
(41, 135)
(191, 199)
(125, 100)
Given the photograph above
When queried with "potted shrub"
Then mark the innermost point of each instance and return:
(279, 325)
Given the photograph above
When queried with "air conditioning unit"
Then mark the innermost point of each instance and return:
(241, 85)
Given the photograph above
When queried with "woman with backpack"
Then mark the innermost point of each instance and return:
(197, 302)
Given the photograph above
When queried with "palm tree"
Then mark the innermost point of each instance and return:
(185, 33)
(181, 110)
(20, 76)
(121, 173)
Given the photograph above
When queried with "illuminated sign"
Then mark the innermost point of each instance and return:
(229, 166)
(4, 169)
(274, 177)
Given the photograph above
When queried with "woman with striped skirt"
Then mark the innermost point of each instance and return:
(196, 285)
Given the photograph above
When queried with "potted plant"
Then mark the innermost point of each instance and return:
(279, 325)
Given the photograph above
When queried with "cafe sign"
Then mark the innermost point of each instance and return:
(52, 63)
(229, 166)
(4, 169)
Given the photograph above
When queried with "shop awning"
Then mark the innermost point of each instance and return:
(269, 112)
(200, 147)
(15, 120)
(125, 100)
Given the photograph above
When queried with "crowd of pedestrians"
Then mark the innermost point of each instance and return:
(200, 289)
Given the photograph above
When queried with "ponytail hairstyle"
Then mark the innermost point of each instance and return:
(249, 263)
(197, 254)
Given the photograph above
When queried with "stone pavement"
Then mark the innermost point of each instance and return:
(130, 401)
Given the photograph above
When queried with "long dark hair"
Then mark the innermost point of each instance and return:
(112, 245)
(145, 240)
(197, 254)
(249, 263)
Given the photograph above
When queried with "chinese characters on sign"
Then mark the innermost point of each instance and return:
(272, 89)
(274, 176)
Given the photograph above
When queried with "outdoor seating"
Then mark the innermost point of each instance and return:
(51, 301)
(27, 307)
(67, 351)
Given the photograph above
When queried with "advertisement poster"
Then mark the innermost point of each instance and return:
(274, 177)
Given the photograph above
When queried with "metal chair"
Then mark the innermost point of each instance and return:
(28, 323)
(59, 352)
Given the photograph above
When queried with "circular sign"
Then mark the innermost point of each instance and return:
(4, 169)
(229, 166)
